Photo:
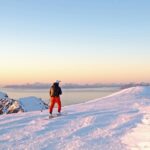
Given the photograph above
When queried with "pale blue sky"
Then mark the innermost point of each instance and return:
(112, 36)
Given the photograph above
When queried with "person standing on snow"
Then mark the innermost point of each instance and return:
(55, 92)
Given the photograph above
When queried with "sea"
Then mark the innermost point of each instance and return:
(69, 96)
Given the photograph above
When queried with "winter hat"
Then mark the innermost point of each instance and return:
(57, 81)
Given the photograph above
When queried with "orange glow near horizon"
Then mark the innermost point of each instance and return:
(79, 75)
(87, 71)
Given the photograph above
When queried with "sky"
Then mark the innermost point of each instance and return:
(75, 41)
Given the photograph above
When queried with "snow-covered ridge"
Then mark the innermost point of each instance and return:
(32, 104)
(117, 122)
(8, 105)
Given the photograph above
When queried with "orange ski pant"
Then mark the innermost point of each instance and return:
(53, 101)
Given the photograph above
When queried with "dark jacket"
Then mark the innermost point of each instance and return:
(55, 90)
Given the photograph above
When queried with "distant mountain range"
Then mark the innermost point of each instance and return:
(72, 85)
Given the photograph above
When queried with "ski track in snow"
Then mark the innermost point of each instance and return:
(117, 122)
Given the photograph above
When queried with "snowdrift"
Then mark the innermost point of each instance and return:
(118, 122)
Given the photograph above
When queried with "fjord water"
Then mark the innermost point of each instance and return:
(69, 96)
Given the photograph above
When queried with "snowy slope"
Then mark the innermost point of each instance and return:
(117, 122)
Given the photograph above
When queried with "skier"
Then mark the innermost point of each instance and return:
(55, 92)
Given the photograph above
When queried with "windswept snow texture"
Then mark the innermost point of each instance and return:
(117, 122)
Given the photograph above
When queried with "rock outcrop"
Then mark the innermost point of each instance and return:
(8, 106)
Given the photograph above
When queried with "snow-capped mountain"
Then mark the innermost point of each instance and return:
(8, 105)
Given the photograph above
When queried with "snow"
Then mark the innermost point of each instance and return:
(8, 105)
(32, 104)
(3, 95)
(117, 122)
